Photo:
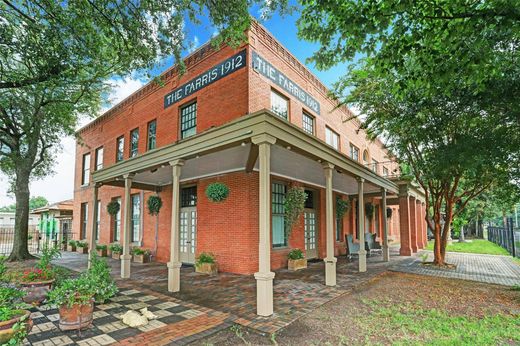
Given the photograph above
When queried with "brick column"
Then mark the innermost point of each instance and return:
(419, 225)
(413, 224)
(404, 222)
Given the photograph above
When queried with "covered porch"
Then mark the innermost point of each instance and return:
(270, 148)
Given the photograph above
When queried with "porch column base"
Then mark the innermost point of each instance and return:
(330, 271)
(362, 254)
(125, 266)
(264, 293)
(174, 276)
(386, 253)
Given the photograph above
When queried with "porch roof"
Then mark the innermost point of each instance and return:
(229, 148)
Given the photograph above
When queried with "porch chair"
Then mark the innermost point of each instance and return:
(373, 245)
(350, 247)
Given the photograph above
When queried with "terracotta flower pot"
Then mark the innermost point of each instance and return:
(36, 291)
(78, 316)
(73, 248)
(102, 253)
(141, 258)
(116, 255)
(6, 327)
(297, 264)
(207, 268)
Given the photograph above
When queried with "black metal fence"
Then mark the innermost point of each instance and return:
(36, 242)
(508, 238)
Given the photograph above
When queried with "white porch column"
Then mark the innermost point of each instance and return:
(386, 248)
(361, 227)
(174, 266)
(264, 277)
(127, 226)
(93, 228)
(330, 260)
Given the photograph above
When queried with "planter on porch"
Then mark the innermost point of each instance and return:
(82, 247)
(72, 244)
(101, 250)
(296, 260)
(77, 316)
(141, 255)
(7, 330)
(205, 263)
(116, 255)
(116, 250)
(36, 292)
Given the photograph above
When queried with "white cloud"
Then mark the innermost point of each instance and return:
(60, 186)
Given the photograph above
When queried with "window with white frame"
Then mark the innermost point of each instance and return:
(99, 158)
(280, 105)
(98, 218)
(308, 123)
(152, 130)
(84, 220)
(278, 215)
(136, 217)
(85, 178)
(332, 138)
(134, 142)
(354, 152)
(120, 148)
(374, 165)
(117, 220)
(189, 120)
(385, 172)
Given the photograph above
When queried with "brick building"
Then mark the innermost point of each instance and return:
(255, 119)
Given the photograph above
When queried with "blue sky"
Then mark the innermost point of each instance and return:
(59, 186)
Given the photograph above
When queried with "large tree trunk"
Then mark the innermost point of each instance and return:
(20, 250)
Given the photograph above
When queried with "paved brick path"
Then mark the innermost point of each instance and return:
(475, 267)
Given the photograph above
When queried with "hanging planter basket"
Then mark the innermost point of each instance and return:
(294, 205)
(342, 207)
(113, 208)
(369, 210)
(154, 205)
(217, 192)
(388, 212)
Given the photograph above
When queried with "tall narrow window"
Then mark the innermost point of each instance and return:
(85, 178)
(136, 217)
(120, 148)
(308, 123)
(332, 138)
(117, 221)
(354, 152)
(98, 218)
(374, 165)
(189, 120)
(365, 157)
(83, 220)
(279, 104)
(99, 158)
(278, 215)
(385, 172)
(152, 129)
(134, 142)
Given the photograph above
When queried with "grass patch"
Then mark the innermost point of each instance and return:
(481, 246)
(411, 324)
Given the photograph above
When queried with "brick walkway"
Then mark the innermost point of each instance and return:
(295, 293)
(475, 267)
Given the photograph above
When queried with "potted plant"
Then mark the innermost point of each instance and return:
(15, 321)
(206, 263)
(72, 244)
(116, 250)
(82, 247)
(75, 301)
(37, 281)
(141, 255)
(296, 260)
(101, 250)
(64, 245)
(99, 277)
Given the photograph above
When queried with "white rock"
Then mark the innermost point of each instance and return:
(148, 314)
(134, 319)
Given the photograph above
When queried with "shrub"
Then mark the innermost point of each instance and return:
(140, 251)
(217, 192)
(81, 244)
(3, 267)
(99, 276)
(73, 242)
(295, 254)
(115, 247)
(73, 291)
(101, 247)
(204, 257)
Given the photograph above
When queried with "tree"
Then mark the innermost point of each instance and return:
(439, 81)
(34, 202)
(55, 58)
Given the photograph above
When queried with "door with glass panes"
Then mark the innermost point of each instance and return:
(188, 224)
(310, 226)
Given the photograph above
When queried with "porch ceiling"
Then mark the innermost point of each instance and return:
(226, 148)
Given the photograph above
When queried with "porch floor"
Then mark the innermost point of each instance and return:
(295, 293)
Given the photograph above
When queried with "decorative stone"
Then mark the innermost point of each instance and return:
(148, 314)
(134, 319)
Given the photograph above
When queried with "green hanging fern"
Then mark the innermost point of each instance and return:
(113, 207)
(369, 210)
(217, 192)
(154, 205)
(388, 212)
(342, 207)
(293, 206)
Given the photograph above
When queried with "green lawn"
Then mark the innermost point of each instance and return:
(475, 246)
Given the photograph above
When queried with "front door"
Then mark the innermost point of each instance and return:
(188, 234)
(310, 233)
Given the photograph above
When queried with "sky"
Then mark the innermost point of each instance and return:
(60, 185)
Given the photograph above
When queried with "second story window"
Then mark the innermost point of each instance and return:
(279, 105)
(308, 123)
(134, 142)
(374, 165)
(99, 158)
(120, 148)
(332, 138)
(385, 172)
(354, 152)
(152, 129)
(189, 120)
(85, 178)
(365, 157)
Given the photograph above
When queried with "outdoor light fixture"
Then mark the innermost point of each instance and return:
(243, 144)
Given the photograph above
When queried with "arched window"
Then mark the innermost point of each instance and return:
(365, 156)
